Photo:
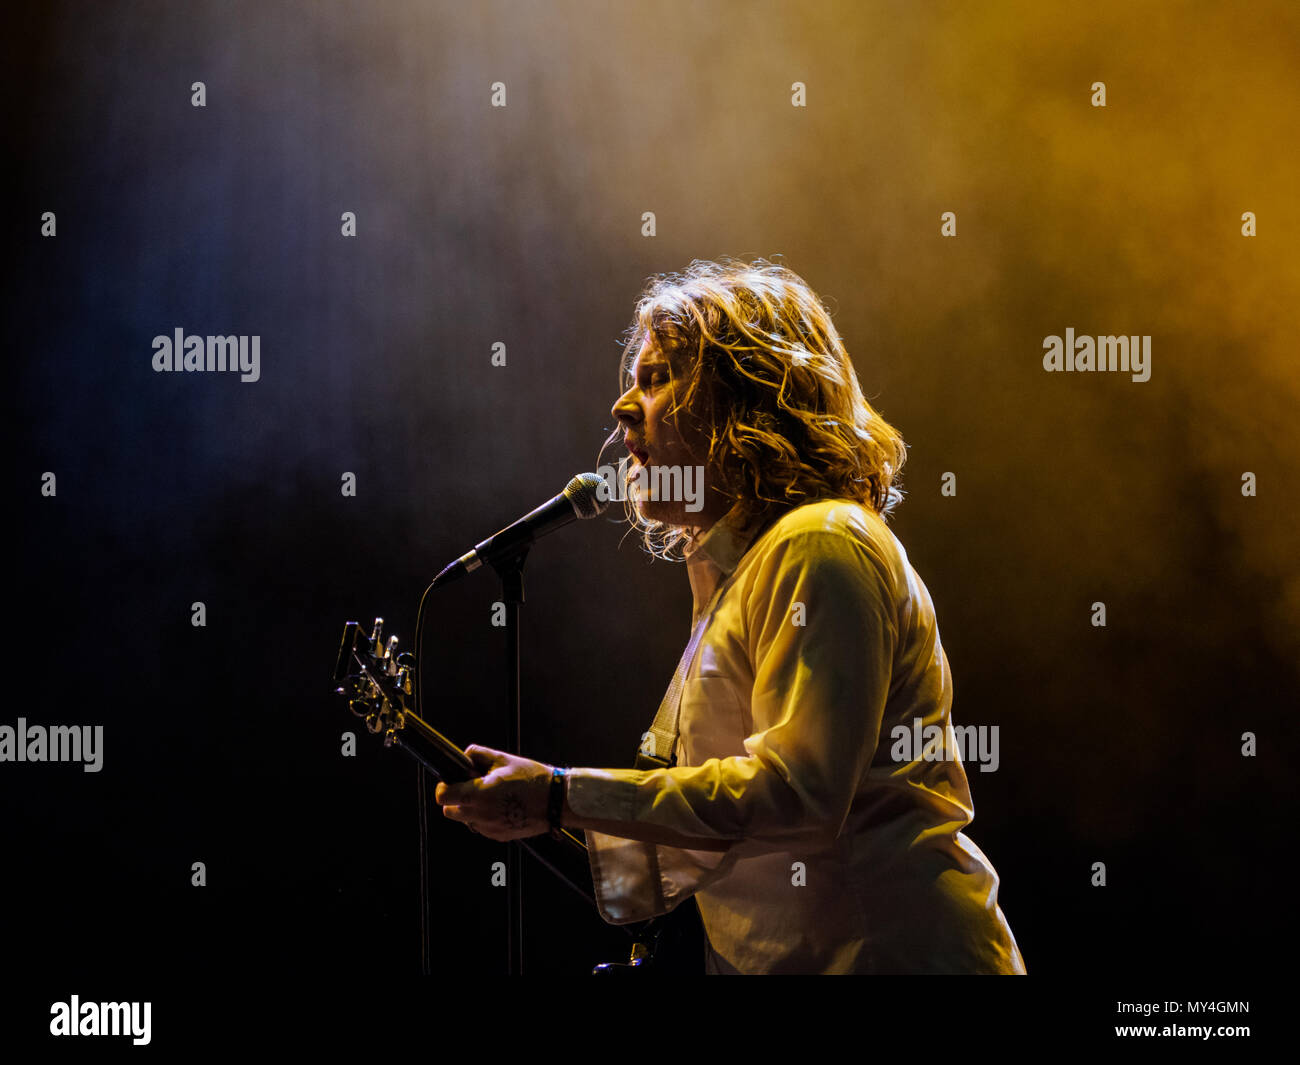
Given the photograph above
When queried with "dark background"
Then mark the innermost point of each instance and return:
(523, 225)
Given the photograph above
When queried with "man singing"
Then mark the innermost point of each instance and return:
(811, 844)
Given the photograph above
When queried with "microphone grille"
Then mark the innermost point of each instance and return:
(583, 494)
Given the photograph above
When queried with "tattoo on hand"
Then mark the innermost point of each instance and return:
(512, 809)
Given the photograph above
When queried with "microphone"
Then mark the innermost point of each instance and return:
(580, 499)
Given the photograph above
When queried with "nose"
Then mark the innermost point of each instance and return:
(626, 408)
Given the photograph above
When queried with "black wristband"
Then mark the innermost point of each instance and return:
(555, 803)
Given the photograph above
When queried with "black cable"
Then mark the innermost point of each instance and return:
(422, 795)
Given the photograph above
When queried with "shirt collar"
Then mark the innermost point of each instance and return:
(717, 553)
(725, 544)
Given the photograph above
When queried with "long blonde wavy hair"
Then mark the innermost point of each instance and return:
(759, 369)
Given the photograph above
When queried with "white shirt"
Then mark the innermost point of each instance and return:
(807, 847)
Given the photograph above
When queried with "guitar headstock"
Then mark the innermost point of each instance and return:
(379, 685)
(377, 681)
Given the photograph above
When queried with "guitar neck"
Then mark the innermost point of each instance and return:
(432, 749)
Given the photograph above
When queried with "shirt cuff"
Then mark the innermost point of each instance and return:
(604, 794)
(635, 880)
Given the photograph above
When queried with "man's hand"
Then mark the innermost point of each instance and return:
(507, 802)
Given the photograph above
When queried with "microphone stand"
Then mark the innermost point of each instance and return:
(428, 748)
(585, 502)
(511, 572)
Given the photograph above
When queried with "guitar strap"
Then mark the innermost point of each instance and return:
(659, 744)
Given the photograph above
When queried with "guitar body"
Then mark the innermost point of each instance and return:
(671, 945)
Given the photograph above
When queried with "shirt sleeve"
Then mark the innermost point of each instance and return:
(821, 631)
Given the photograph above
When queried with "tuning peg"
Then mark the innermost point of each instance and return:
(390, 656)
(376, 639)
